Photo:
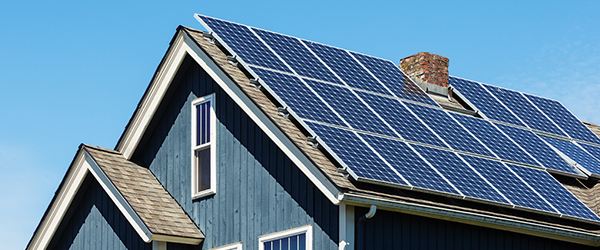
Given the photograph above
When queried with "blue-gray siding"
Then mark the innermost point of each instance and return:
(389, 230)
(259, 190)
(94, 222)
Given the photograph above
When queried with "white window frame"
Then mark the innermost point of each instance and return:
(212, 144)
(234, 246)
(307, 230)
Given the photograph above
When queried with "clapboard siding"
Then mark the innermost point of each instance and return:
(94, 222)
(391, 230)
(259, 190)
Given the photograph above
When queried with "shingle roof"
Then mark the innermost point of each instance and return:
(329, 167)
(155, 206)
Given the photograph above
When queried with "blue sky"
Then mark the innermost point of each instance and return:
(73, 72)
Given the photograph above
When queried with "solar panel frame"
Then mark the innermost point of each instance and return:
(524, 109)
(495, 140)
(564, 118)
(540, 150)
(401, 119)
(484, 101)
(247, 51)
(590, 165)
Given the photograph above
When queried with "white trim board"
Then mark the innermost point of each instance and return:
(184, 45)
(83, 165)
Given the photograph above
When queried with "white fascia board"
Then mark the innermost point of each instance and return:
(155, 94)
(83, 165)
(185, 45)
(531, 228)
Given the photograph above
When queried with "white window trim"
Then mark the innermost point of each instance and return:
(234, 246)
(307, 230)
(212, 144)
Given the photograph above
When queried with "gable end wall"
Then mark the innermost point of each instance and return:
(259, 190)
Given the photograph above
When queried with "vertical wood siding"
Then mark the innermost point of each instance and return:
(94, 222)
(259, 190)
(390, 230)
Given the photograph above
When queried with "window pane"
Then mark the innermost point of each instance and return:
(284, 243)
(294, 243)
(276, 245)
(202, 123)
(267, 245)
(203, 161)
(302, 241)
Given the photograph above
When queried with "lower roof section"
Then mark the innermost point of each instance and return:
(138, 195)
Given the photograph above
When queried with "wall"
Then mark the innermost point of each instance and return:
(94, 222)
(259, 190)
(390, 230)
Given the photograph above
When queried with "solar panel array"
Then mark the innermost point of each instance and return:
(386, 130)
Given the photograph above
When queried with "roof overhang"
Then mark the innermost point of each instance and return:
(183, 45)
(477, 219)
(80, 168)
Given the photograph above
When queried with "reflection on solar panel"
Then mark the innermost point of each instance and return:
(524, 110)
(245, 43)
(380, 125)
(564, 118)
(396, 81)
(593, 150)
(485, 102)
(441, 122)
(460, 174)
(350, 108)
(295, 94)
(295, 54)
(346, 67)
(508, 183)
(554, 193)
(401, 120)
(576, 153)
(356, 154)
(537, 148)
(495, 140)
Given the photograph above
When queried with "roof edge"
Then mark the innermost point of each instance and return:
(489, 221)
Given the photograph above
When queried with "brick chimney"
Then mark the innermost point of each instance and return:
(429, 71)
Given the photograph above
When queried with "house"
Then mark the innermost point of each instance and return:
(211, 159)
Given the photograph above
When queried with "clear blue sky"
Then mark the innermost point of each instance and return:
(73, 72)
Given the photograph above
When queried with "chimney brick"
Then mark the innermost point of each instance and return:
(426, 67)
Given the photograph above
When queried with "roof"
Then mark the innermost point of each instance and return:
(357, 193)
(148, 198)
(148, 207)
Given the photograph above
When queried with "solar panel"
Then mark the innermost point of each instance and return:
(295, 54)
(592, 150)
(450, 131)
(460, 174)
(350, 108)
(244, 43)
(554, 193)
(495, 140)
(400, 118)
(483, 100)
(538, 149)
(577, 154)
(412, 167)
(524, 110)
(347, 68)
(564, 118)
(396, 81)
(508, 183)
(356, 154)
(300, 99)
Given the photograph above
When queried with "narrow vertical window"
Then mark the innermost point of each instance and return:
(203, 147)
(294, 239)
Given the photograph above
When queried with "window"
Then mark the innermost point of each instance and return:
(204, 174)
(294, 239)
